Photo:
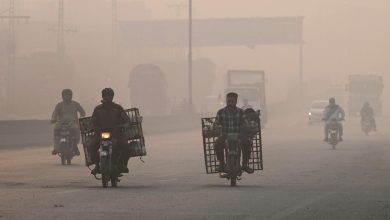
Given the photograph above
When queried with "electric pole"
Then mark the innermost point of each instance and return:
(114, 32)
(60, 29)
(190, 102)
(7, 79)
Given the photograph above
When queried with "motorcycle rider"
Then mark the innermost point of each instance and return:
(110, 116)
(64, 112)
(232, 120)
(333, 112)
(367, 113)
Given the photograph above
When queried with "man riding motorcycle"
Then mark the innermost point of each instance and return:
(333, 112)
(110, 116)
(367, 113)
(232, 120)
(67, 112)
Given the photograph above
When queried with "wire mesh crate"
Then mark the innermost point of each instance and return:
(133, 133)
(87, 136)
(210, 134)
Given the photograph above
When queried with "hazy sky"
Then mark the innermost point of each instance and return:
(342, 37)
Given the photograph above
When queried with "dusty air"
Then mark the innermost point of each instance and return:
(194, 109)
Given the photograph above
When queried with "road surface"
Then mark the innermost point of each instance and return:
(303, 178)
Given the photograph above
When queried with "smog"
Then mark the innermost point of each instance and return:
(171, 64)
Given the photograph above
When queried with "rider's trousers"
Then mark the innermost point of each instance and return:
(246, 147)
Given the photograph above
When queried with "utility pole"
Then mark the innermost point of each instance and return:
(61, 30)
(301, 89)
(7, 79)
(61, 49)
(114, 32)
(190, 102)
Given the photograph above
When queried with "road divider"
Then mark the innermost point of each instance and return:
(25, 133)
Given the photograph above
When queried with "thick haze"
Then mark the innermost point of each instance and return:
(341, 37)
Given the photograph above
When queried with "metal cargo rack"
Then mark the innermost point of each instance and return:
(87, 135)
(133, 133)
(210, 135)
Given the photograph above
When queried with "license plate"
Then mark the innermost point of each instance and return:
(62, 140)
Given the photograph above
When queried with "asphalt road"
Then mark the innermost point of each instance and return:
(303, 178)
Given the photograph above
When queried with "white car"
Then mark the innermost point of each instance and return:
(316, 110)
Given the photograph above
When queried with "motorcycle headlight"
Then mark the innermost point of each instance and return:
(106, 135)
(309, 113)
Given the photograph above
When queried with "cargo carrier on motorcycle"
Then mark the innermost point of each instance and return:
(232, 152)
(135, 143)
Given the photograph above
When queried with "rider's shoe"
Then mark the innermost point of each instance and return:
(54, 152)
(341, 139)
(326, 139)
(123, 169)
(76, 151)
(223, 175)
(95, 170)
(247, 169)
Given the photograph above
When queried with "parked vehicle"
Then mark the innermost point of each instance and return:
(249, 85)
(316, 110)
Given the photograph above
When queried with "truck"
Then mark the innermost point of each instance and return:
(250, 86)
(364, 88)
(148, 89)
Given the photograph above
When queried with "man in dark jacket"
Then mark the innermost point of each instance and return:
(111, 117)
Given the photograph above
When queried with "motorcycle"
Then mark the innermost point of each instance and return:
(367, 125)
(233, 158)
(107, 170)
(135, 147)
(333, 138)
(66, 144)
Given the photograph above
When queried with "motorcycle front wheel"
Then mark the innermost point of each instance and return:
(105, 179)
(63, 159)
(105, 172)
(232, 173)
(69, 160)
(114, 181)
